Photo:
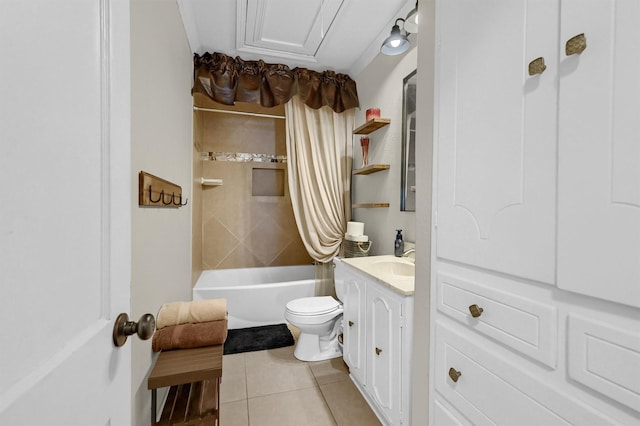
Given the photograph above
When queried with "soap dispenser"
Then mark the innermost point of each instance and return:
(399, 244)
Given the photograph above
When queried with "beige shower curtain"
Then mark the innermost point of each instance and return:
(319, 155)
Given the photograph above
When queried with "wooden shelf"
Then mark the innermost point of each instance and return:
(371, 126)
(370, 205)
(371, 168)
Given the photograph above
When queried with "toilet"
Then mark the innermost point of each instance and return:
(319, 320)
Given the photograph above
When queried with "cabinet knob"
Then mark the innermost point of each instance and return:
(537, 66)
(378, 350)
(351, 323)
(454, 374)
(475, 310)
(576, 45)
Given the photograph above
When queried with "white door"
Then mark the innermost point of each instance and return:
(64, 216)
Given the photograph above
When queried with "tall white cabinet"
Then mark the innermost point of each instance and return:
(536, 249)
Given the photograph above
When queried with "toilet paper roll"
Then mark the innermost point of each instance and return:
(355, 228)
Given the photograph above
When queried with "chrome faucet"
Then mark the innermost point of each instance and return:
(408, 252)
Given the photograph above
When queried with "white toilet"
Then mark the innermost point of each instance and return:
(319, 320)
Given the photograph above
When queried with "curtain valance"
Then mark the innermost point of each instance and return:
(227, 80)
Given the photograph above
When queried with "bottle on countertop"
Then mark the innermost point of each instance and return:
(399, 244)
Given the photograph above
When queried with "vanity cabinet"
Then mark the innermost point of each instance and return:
(536, 261)
(378, 343)
(353, 320)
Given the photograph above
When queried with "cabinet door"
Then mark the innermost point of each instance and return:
(353, 325)
(384, 361)
(599, 152)
(496, 133)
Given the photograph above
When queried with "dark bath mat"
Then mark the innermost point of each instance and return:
(257, 338)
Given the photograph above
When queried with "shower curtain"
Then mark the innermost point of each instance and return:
(319, 156)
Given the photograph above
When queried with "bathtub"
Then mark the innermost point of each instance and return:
(256, 296)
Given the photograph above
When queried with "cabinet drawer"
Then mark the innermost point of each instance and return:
(606, 359)
(495, 390)
(526, 326)
(442, 416)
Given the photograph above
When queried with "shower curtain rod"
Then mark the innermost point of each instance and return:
(226, 111)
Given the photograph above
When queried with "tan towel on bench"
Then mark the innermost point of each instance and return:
(185, 336)
(176, 313)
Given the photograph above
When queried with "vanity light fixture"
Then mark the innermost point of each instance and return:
(397, 42)
(411, 21)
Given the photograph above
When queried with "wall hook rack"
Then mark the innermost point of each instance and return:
(157, 192)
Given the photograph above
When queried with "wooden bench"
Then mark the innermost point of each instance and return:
(194, 375)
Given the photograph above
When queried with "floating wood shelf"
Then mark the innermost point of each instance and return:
(369, 205)
(371, 126)
(371, 168)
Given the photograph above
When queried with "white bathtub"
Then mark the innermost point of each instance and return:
(256, 296)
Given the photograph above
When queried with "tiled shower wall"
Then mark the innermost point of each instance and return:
(239, 229)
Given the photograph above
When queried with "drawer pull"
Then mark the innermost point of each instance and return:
(378, 350)
(350, 323)
(455, 375)
(475, 310)
(576, 45)
(537, 66)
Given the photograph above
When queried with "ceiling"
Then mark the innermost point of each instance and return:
(339, 35)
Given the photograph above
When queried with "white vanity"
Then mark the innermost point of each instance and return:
(378, 320)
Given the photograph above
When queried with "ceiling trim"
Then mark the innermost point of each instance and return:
(252, 31)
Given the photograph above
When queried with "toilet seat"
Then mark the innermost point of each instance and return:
(313, 310)
(313, 306)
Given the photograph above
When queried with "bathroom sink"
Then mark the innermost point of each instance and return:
(391, 267)
(397, 272)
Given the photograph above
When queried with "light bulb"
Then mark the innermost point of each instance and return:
(395, 43)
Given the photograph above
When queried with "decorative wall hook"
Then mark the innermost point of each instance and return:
(157, 192)
(167, 203)
(179, 203)
(151, 196)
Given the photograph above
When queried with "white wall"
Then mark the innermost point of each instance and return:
(424, 152)
(380, 85)
(161, 127)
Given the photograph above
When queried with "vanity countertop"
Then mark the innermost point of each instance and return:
(397, 273)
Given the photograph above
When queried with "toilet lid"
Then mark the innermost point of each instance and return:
(313, 305)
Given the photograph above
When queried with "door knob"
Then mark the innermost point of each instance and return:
(475, 310)
(123, 328)
(350, 323)
(378, 350)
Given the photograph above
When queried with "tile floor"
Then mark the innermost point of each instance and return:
(272, 387)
